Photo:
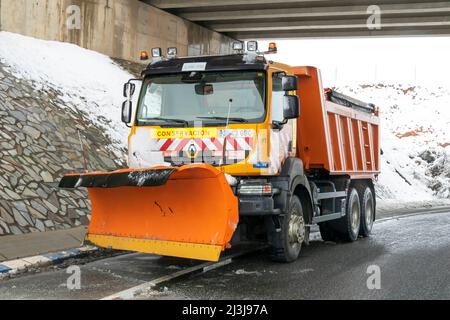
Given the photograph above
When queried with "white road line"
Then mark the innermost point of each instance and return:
(132, 293)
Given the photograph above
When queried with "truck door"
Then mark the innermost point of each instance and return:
(281, 140)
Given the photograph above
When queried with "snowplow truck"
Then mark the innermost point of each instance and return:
(235, 148)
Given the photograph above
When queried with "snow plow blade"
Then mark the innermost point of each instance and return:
(188, 212)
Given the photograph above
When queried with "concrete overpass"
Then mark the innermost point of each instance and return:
(121, 29)
(256, 19)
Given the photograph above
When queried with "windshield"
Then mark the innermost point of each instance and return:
(203, 96)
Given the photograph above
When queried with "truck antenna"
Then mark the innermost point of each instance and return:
(230, 105)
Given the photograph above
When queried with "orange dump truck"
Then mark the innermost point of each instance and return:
(236, 148)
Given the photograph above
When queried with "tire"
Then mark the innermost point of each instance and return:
(367, 211)
(307, 235)
(292, 235)
(347, 228)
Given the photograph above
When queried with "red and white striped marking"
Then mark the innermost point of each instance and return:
(206, 144)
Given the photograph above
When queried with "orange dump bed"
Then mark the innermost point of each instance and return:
(334, 137)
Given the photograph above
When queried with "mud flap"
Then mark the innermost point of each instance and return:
(188, 212)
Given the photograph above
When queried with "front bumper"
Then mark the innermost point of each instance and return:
(255, 206)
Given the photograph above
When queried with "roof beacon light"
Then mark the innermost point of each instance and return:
(144, 55)
(238, 46)
(252, 46)
(273, 48)
(172, 52)
(156, 53)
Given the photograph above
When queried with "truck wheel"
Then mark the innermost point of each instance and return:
(348, 227)
(293, 231)
(367, 211)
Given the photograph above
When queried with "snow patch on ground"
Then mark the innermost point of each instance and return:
(88, 80)
(247, 273)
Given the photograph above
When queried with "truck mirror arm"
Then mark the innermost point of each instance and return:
(129, 89)
(278, 125)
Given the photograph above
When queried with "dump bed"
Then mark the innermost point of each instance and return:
(335, 132)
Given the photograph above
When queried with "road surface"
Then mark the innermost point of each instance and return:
(411, 253)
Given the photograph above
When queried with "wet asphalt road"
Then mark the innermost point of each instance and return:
(412, 253)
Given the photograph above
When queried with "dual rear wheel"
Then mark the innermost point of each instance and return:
(367, 211)
(359, 218)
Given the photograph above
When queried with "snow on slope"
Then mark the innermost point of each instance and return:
(87, 80)
(415, 139)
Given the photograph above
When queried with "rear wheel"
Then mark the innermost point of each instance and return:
(348, 227)
(293, 233)
(367, 211)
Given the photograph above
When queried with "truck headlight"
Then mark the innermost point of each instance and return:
(252, 46)
(172, 52)
(238, 46)
(256, 189)
(156, 52)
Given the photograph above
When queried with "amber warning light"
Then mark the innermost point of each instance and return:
(273, 47)
(144, 55)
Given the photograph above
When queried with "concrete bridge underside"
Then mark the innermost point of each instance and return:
(256, 19)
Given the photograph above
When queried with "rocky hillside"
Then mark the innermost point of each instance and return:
(39, 143)
(49, 101)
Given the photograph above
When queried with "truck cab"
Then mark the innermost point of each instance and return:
(226, 111)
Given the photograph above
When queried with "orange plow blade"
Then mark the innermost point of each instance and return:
(188, 212)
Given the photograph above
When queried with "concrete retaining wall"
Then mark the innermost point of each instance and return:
(118, 28)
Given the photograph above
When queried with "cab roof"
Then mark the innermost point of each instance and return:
(213, 63)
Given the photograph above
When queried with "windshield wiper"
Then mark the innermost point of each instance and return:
(242, 120)
(186, 123)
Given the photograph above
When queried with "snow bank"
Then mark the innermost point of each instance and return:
(88, 81)
(415, 139)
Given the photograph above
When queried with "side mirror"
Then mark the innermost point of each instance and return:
(291, 108)
(127, 111)
(129, 89)
(290, 83)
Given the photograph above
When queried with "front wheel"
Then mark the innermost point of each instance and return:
(293, 233)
